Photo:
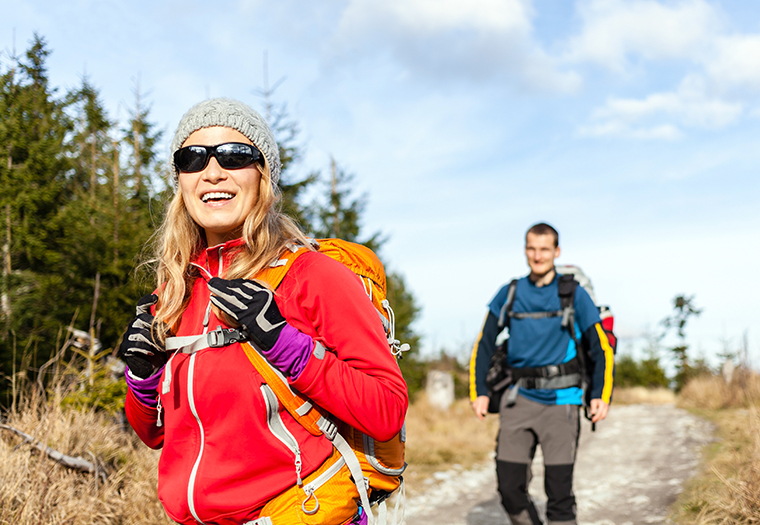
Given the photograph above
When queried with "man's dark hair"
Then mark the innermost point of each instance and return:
(543, 229)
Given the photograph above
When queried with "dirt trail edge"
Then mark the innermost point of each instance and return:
(628, 472)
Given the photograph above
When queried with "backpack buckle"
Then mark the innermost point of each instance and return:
(552, 371)
(222, 337)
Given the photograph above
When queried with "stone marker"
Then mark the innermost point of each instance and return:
(440, 389)
(728, 371)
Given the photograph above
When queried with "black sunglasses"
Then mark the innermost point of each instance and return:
(230, 156)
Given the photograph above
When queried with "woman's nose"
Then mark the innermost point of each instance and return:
(214, 172)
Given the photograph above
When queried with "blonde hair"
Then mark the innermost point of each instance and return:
(180, 239)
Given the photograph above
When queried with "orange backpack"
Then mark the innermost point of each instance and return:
(375, 468)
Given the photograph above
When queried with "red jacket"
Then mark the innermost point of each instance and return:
(220, 462)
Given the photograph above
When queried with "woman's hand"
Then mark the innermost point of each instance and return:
(253, 306)
(140, 349)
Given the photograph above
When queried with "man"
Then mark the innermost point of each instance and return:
(536, 411)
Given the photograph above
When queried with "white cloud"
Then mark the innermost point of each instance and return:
(453, 40)
(431, 16)
(616, 32)
(624, 129)
(613, 31)
(735, 63)
(721, 69)
(689, 106)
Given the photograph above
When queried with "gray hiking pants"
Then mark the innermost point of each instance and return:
(522, 427)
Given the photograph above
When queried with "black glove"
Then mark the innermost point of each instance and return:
(252, 305)
(139, 348)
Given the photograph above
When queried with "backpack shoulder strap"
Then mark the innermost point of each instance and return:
(294, 402)
(507, 308)
(275, 272)
(566, 289)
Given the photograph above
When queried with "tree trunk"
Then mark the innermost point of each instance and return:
(136, 139)
(115, 204)
(93, 350)
(5, 298)
(93, 174)
(334, 196)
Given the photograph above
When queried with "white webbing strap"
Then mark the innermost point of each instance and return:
(345, 450)
(400, 501)
(304, 409)
(187, 344)
(382, 513)
(382, 507)
(266, 520)
(166, 385)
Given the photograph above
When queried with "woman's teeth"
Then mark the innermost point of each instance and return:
(216, 195)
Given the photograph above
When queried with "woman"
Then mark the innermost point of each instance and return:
(224, 457)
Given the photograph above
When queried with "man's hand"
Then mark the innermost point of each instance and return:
(598, 410)
(480, 406)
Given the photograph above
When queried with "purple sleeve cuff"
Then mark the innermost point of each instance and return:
(145, 390)
(291, 352)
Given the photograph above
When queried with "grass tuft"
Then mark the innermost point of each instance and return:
(727, 491)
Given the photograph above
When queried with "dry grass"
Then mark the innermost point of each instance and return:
(35, 490)
(438, 440)
(642, 395)
(712, 393)
(728, 489)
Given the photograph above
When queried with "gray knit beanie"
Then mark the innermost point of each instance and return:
(233, 114)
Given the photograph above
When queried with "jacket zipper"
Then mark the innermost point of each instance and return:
(279, 430)
(194, 472)
(194, 411)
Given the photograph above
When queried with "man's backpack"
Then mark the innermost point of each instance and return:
(381, 464)
(576, 372)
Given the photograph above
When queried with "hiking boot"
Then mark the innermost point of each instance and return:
(522, 518)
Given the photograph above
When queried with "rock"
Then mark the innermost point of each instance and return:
(440, 389)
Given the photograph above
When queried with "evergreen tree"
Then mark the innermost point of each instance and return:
(286, 133)
(141, 139)
(72, 227)
(339, 214)
(90, 144)
(33, 128)
(106, 225)
(683, 310)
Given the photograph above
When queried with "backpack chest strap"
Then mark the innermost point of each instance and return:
(218, 338)
(535, 315)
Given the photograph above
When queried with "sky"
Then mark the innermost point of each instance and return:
(631, 126)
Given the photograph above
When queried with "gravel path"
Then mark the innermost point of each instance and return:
(628, 472)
